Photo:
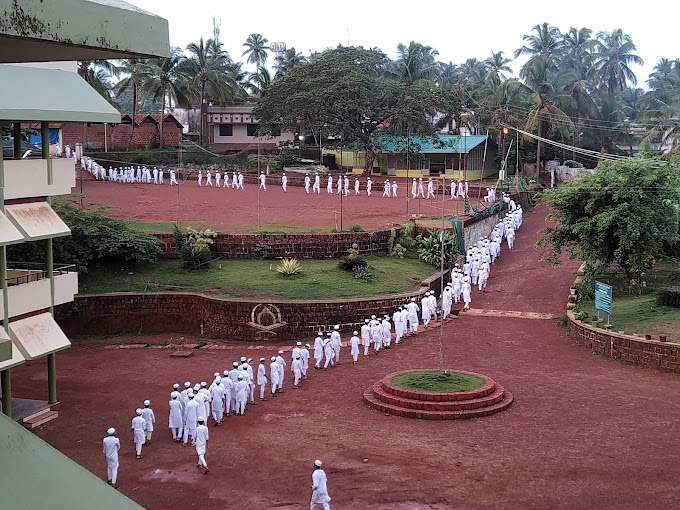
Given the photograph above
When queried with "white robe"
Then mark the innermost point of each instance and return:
(175, 417)
(139, 429)
(319, 487)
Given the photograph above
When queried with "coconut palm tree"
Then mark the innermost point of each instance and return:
(612, 56)
(416, 63)
(133, 69)
(497, 65)
(99, 74)
(258, 83)
(662, 104)
(576, 52)
(162, 81)
(545, 42)
(287, 61)
(256, 49)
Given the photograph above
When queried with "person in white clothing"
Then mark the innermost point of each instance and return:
(218, 180)
(206, 400)
(356, 186)
(262, 378)
(111, 445)
(376, 334)
(369, 185)
(461, 190)
(240, 181)
(453, 189)
(296, 368)
(67, 151)
(217, 396)
(138, 432)
(387, 189)
(421, 191)
(337, 343)
(328, 352)
(308, 183)
(320, 497)
(316, 188)
(284, 182)
(263, 181)
(318, 350)
(430, 188)
(175, 420)
(155, 175)
(191, 411)
(228, 393)
(282, 369)
(304, 354)
(201, 442)
(386, 332)
(274, 375)
(160, 176)
(395, 187)
(413, 309)
(425, 312)
(354, 346)
(366, 337)
(208, 179)
(414, 188)
(467, 291)
(150, 419)
(396, 320)
(329, 187)
(241, 395)
(340, 182)
(200, 178)
(173, 178)
(346, 185)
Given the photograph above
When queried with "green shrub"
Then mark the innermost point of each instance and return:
(573, 164)
(289, 267)
(669, 296)
(95, 238)
(363, 272)
(352, 259)
(406, 237)
(398, 251)
(431, 248)
(194, 250)
(586, 289)
(261, 249)
(356, 228)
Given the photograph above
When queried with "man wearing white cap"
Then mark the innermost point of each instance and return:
(175, 420)
(206, 401)
(296, 367)
(328, 352)
(404, 320)
(262, 378)
(320, 495)
(386, 332)
(233, 377)
(228, 393)
(354, 346)
(336, 341)
(191, 411)
(282, 369)
(447, 299)
(200, 399)
(396, 320)
(365, 337)
(467, 290)
(296, 351)
(263, 182)
(201, 442)
(425, 312)
(217, 396)
(251, 380)
(318, 350)
(412, 309)
(111, 446)
(150, 419)
(274, 375)
(184, 395)
(284, 182)
(241, 395)
(304, 354)
(376, 334)
(138, 432)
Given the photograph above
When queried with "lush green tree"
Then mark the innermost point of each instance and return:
(624, 213)
(661, 105)
(256, 49)
(612, 57)
(416, 63)
(286, 61)
(544, 43)
(133, 71)
(497, 65)
(258, 83)
(348, 91)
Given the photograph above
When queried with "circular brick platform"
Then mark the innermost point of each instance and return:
(487, 400)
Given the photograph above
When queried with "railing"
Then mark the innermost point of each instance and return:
(34, 275)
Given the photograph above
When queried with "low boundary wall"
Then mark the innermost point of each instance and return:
(236, 319)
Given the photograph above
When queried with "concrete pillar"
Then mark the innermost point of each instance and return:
(6, 393)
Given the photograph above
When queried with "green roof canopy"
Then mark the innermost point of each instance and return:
(433, 144)
(36, 94)
(34, 475)
(43, 31)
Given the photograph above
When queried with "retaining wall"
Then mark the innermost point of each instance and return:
(223, 318)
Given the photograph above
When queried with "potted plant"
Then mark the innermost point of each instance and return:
(648, 336)
(662, 337)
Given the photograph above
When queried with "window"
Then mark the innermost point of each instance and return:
(276, 130)
(226, 130)
(251, 129)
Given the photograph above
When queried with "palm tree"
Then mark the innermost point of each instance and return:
(208, 74)
(133, 68)
(416, 63)
(259, 82)
(99, 74)
(503, 101)
(497, 65)
(287, 61)
(547, 42)
(256, 49)
(576, 51)
(613, 55)
(662, 104)
(162, 81)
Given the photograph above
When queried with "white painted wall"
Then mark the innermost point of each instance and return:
(33, 296)
(27, 178)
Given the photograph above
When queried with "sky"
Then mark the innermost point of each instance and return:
(457, 30)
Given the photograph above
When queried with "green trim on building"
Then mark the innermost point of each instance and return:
(434, 144)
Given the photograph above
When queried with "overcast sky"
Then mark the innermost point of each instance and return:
(472, 30)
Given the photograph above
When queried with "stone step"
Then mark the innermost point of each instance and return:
(40, 418)
(488, 388)
(409, 403)
(376, 404)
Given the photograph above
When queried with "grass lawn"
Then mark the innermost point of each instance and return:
(319, 279)
(264, 228)
(437, 382)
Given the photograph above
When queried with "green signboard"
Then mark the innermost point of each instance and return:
(603, 297)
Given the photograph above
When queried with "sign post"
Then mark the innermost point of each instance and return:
(603, 298)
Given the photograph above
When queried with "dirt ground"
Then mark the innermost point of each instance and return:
(584, 432)
(227, 210)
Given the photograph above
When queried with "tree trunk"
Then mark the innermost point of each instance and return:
(368, 165)
(203, 119)
(134, 115)
(538, 149)
(160, 143)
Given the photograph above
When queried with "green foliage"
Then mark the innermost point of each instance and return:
(669, 296)
(561, 319)
(95, 238)
(363, 272)
(582, 315)
(573, 164)
(289, 267)
(356, 228)
(394, 250)
(407, 237)
(431, 248)
(586, 289)
(194, 249)
(352, 259)
(262, 249)
(625, 213)
(436, 381)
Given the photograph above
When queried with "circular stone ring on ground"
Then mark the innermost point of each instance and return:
(483, 397)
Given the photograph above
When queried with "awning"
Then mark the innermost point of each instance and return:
(15, 357)
(8, 232)
(36, 94)
(36, 220)
(40, 31)
(37, 336)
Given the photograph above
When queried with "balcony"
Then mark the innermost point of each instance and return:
(27, 178)
(28, 287)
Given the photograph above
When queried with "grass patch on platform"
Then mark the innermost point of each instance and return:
(319, 279)
(162, 226)
(264, 228)
(437, 382)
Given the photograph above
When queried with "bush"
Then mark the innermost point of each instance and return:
(669, 296)
(406, 236)
(194, 250)
(94, 239)
(363, 272)
(352, 259)
(356, 228)
(573, 164)
(431, 248)
(289, 267)
(261, 249)
(586, 289)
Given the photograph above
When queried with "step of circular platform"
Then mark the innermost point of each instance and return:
(388, 398)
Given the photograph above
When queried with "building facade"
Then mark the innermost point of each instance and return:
(234, 128)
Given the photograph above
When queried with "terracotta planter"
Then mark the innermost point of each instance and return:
(662, 338)
(648, 337)
(572, 298)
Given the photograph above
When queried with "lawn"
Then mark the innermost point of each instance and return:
(264, 228)
(437, 382)
(319, 279)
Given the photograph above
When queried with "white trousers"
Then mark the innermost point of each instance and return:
(355, 357)
(201, 460)
(325, 506)
(148, 435)
(262, 388)
(138, 448)
(329, 359)
(176, 432)
(187, 433)
(217, 415)
(366, 347)
(298, 375)
(112, 470)
(318, 361)
(240, 406)
(413, 323)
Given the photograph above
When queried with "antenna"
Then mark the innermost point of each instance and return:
(216, 28)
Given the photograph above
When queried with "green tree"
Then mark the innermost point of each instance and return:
(256, 49)
(545, 43)
(661, 104)
(416, 63)
(497, 65)
(133, 69)
(286, 61)
(258, 83)
(612, 58)
(625, 213)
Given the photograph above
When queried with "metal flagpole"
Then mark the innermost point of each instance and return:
(441, 279)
